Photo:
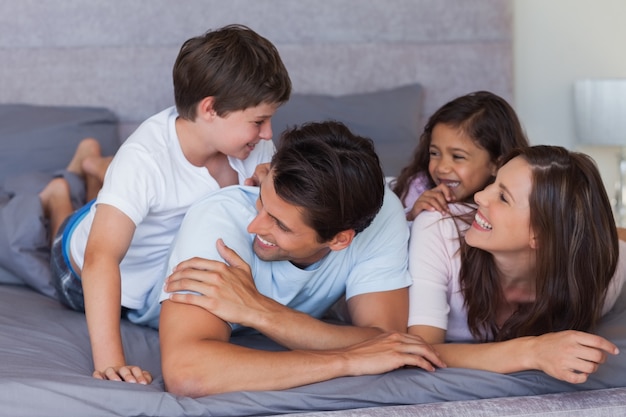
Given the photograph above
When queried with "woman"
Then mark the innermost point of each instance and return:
(537, 267)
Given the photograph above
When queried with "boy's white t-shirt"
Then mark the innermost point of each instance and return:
(152, 182)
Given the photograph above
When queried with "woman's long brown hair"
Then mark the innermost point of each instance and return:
(577, 251)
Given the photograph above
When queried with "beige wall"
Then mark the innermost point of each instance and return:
(556, 42)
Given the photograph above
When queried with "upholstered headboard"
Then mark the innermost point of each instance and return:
(67, 52)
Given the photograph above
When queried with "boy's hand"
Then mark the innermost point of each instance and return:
(260, 172)
(126, 373)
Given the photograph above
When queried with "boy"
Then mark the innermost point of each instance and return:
(227, 85)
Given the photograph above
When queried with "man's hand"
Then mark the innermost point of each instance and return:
(435, 199)
(390, 351)
(570, 355)
(225, 289)
(126, 373)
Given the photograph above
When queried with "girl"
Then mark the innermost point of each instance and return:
(458, 152)
(538, 266)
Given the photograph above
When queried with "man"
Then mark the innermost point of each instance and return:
(321, 224)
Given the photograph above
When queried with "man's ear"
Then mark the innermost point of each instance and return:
(205, 108)
(342, 240)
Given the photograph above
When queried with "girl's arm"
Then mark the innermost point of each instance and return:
(108, 241)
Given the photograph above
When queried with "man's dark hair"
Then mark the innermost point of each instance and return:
(333, 174)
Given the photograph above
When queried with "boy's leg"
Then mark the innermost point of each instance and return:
(56, 196)
(56, 203)
(89, 164)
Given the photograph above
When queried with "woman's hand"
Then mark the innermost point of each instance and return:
(570, 355)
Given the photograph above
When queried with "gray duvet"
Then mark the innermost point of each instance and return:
(45, 367)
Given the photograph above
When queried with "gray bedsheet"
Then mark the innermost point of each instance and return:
(45, 366)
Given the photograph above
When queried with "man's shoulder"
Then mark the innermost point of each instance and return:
(391, 210)
(388, 226)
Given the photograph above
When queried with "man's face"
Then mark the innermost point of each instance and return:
(281, 233)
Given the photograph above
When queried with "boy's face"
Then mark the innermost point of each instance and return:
(238, 132)
(281, 233)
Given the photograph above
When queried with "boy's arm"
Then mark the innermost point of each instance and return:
(108, 241)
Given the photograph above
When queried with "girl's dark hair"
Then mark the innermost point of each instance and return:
(334, 175)
(576, 257)
(485, 117)
(236, 66)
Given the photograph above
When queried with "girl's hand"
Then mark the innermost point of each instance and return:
(435, 199)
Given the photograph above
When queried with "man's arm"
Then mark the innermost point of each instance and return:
(198, 360)
(228, 291)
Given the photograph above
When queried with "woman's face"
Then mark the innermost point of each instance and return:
(502, 222)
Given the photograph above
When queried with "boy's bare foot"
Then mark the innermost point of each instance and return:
(96, 166)
(56, 203)
(88, 147)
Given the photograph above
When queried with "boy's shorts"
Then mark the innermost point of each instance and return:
(66, 282)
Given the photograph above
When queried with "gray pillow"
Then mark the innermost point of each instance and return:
(36, 141)
(44, 138)
(389, 117)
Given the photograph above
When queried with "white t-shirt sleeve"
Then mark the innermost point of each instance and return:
(131, 189)
(220, 215)
(380, 258)
(434, 241)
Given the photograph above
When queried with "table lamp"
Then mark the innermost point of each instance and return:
(600, 116)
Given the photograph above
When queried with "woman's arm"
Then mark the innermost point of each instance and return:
(568, 355)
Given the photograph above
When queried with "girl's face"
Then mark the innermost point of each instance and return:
(457, 162)
(502, 222)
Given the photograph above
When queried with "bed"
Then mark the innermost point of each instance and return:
(45, 357)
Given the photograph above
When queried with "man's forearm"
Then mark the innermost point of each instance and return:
(296, 330)
(223, 367)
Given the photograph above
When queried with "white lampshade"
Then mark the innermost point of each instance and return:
(600, 111)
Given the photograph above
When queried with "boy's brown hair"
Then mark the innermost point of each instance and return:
(234, 65)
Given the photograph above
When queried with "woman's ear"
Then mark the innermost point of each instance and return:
(342, 240)
(533, 241)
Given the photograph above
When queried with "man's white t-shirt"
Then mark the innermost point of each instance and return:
(376, 260)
